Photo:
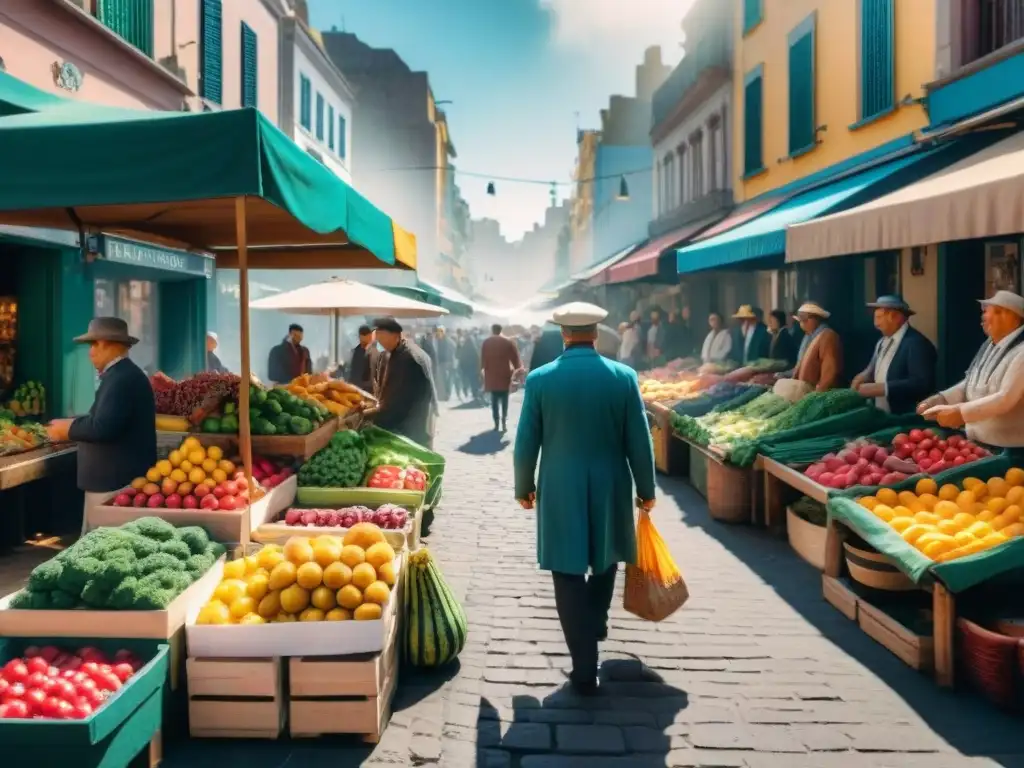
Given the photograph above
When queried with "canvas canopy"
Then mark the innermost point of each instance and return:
(346, 297)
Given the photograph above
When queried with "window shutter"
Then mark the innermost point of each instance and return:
(305, 103)
(342, 137)
(753, 107)
(330, 128)
(319, 117)
(131, 19)
(212, 53)
(752, 14)
(801, 87)
(250, 71)
(877, 57)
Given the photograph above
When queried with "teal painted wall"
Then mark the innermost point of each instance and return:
(182, 327)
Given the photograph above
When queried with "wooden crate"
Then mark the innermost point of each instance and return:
(302, 446)
(729, 491)
(699, 470)
(235, 698)
(839, 594)
(343, 694)
(660, 438)
(917, 651)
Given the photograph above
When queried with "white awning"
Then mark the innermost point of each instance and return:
(979, 196)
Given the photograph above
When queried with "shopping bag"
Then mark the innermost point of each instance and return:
(654, 587)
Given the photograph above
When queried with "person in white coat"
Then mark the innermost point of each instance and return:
(989, 402)
(718, 343)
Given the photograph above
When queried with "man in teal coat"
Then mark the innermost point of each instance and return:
(584, 417)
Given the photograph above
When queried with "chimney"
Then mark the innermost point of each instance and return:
(651, 74)
(301, 8)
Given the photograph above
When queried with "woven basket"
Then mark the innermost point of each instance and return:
(991, 663)
(874, 570)
(728, 492)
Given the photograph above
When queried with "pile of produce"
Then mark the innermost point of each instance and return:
(435, 622)
(323, 579)
(196, 397)
(339, 464)
(407, 478)
(654, 391)
(726, 427)
(140, 566)
(387, 517)
(954, 521)
(702, 402)
(28, 400)
(337, 396)
(672, 371)
(814, 512)
(18, 439)
(864, 462)
(50, 683)
(191, 477)
(270, 473)
(271, 412)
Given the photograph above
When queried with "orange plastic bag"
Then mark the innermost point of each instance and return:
(655, 588)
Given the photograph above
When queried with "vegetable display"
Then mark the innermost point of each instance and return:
(720, 394)
(337, 396)
(339, 464)
(726, 427)
(435, 622)
(193, 397)
(51, 683)
(271, 412)
(392, 476)
(28, 400)
(814, 512)
(386, 517)
(18, 438)
(142, 566)
(953, 521)
(328, 578)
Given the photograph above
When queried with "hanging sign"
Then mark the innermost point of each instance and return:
(120, 250)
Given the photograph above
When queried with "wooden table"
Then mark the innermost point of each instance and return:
(29, 466)
(777, 478)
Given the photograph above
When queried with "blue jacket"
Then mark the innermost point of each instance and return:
(584, 417)
(911, 375)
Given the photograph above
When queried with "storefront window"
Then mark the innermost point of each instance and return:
(137, 303)
(1002, 267)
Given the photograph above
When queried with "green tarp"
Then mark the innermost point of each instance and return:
(61, 154)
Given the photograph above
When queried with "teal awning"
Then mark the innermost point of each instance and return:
(600, 266)
(438, 295)
(765, 236)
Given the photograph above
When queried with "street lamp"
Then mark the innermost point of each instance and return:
(490, 188)
(623, 189)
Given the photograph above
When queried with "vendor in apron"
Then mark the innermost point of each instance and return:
(989, 402)
(819, 363)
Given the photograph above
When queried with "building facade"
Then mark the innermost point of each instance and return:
(581, 202)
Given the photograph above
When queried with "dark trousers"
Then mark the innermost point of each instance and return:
(499, 399)
(582, 603)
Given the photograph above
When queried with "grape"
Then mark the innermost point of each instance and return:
(185, 396)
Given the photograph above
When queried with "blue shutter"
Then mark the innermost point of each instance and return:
(802, 127)
(753, 11)
(753, 108)
(211, 55)
(305, 103)
(330, 128)
(342, 137)
(877, 57)
(250, 76)
(131, 19)
(319, 117)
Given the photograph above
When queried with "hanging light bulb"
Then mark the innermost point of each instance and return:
(623, 189)
(490, 188)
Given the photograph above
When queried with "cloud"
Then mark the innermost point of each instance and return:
(591, 23)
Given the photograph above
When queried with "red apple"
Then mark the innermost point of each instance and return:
(227, 503)
(123, 500)
(173, 501)
(201, 491)
(220, 491)
(156, 500)
(209, 501)
(230, 487)
(190, 502)
(958, 461)
(140, 499)
(900, 439)
(927, 444)
(916, 435)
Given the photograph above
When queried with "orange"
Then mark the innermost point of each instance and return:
(948, 527)
(998, 487)
(294, 599)
(298, 550)
(283, 575)
(338, 614)
(243, 606)
(175, 458)
(185, 466)
(868, 502)
(926, 485)
(349, 597)
(198, 456)
(928, 500)
(337, 575)
(997, 504)
(949, 492)
(363, 575)
(946, 509)
(964, 519)
(164, 467)
(309, 575)
(966, 501)
(311, 614)
(226, 466)
(1015, 495)
(1015, 476)
(196, 476)
(887, 496)
(214, 452)
(209, 465)
(1012, 513)
(323, 598)
(907, 498)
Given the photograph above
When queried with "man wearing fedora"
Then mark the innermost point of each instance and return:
(754, 337)
(901, 372)
(819, 362)
(117, 439)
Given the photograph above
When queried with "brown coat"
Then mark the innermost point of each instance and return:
(499, 357)
(822, 363)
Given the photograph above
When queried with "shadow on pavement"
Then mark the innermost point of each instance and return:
(472, 405)
(485, 444)
(967, 722)
(634, 718)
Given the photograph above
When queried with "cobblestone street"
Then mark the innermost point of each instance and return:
(757, 670)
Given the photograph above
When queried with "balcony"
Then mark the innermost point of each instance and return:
(988, 26)
(713, 52)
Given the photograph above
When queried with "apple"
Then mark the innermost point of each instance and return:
(201, 490)
(927, 444)
(228, 503)
(920, 455)
(220, 491)
(959, 461)
(230, 487)
(189, 502)
(209, 501)
(168, 486)
(140, 499)
(916, 436)
(156, 500)
(123, 500)
(173, 501)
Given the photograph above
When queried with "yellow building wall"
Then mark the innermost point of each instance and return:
(837, 84)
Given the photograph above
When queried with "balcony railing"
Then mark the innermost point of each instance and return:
(989, 25)
(712, 50)
(131, 19)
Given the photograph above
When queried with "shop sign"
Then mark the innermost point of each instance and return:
(121, 251)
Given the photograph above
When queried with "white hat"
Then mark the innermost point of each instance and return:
(812, 308)
(578, 314)
(1007, 300)
(212, 335)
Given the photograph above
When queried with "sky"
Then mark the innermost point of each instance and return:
(522, 75)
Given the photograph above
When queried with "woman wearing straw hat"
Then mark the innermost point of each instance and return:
(819, 363)
(754, 335)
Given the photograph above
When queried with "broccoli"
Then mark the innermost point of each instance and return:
(195, 537)
(158, 589)
(62, 601)
(31, 600)
(197, 565)
(215, 549)
(45, 575)
(124, 594)
(177, 549)
(156, 529)
(96, 594)
(77, 571)
(123, 553)
(299, 425)
(143, 547)
(22, 600)
(113, 572)
(158, 561)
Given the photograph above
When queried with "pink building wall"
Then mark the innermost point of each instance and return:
(36, 33)
(186, 39)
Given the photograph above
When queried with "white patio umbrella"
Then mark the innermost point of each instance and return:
(345, 298)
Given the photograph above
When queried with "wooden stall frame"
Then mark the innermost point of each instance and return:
(776, 476)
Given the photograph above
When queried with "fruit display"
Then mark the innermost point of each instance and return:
(339, 464)
(435, 622)
(141, 566)
(196, 397)
(921, 451)
(327, 578)
(656, 391)
(50, 683)
(270, 473)
(386, 517)
(675, 370)
(337, 396)
(271, 412)
(28, 400)
(16, 438)
(392, 476)
(954, 520)
(191, 477)
(166, 423)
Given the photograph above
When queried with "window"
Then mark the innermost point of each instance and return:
(753, 12)
(667, 183)
(131, 19)
(250, 79)
(753, 107)
(211, 52)
(802, 127)
(713, 130)
(305, 103)
(330, 128)
(319, 117)
(877, 57)
(697, 162)
(684, 193)
(342, 137)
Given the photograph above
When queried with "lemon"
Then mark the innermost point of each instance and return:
(887, 496)
(311, 614)
(230, 590)
(214, 452)
(283, 575)
(323, 598)
(350, 597)
(868, 502)
(269, 558)
(258, 586)
(926, 485)
(338, 614)
(949, 492)
(386, 573)
(214, 612)
(242, 606)
(294, 599)
(270, 605)
(901, 523)
(309, 576)
(234, 569)
(337, 575)
(252, 618)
